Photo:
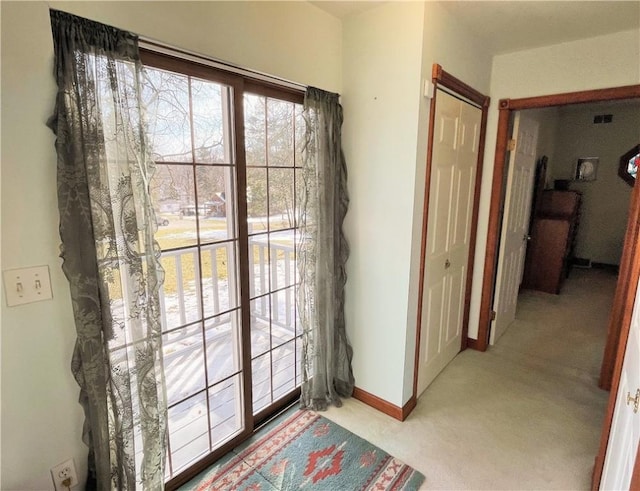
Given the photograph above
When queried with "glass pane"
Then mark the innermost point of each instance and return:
(173, 195)
(260, 330)
(632, 168)
(180, 293)
(299, 194)
(225, 403)
(219, 278)
(121, 327)
(299, 135)
(183, 362)
(281, 202)
(255, 130)
(188, 431)
(167, 468)
(283, 270)
(298, 342)
(282, 316)
(215, 211)
(280, 132)
(166, 96)
(121, 143)
(257, 200)
(210, 145)
(296, 246)
(297, 317)
(258, 265)
(261, 369)
(284, 370)
(223, 346)
(123, 371)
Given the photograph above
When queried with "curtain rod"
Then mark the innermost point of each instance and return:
(160, 47)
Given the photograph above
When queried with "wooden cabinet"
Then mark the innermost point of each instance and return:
(553, 235)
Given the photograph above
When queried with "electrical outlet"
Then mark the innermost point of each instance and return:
(63, 472)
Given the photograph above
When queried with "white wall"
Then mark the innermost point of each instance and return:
(41, 419)
(548, 119)
(453, 47)
(595, 63)
(381, 91)
(388, 53)
(605, 201)
(293, 40)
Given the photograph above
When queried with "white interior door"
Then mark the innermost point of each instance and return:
(625, 427)
(453, 175)
(515, 224)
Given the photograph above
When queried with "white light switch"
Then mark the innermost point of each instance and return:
(27, 285)
(429, 89)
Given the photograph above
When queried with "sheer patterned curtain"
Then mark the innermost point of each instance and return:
(109, 254)
(322, 255)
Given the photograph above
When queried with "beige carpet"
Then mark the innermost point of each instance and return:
(527, 414)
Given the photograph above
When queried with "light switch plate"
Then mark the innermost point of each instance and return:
(27, 285)
(429, 89)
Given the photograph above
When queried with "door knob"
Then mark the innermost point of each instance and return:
(635, 400)
(526, 237)
(447, 264)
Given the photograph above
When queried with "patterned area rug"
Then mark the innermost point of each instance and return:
(303, 450)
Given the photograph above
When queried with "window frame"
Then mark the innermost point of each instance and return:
(240, 85)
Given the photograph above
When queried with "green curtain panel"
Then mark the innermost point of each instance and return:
(109, 254)
(323, 251)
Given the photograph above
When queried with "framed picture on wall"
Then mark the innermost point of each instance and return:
(586, 169)
(629, 163)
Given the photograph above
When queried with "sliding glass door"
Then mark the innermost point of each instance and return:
(273, 136)
(227, 153)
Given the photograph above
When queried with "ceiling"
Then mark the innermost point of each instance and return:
(344, 9)
(507, 26)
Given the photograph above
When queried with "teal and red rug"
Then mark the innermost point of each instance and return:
(303, 450)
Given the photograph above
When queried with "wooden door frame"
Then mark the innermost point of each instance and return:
(506, 108)
(635, 477)
(619, 324)
(620, 318)
(442, 78)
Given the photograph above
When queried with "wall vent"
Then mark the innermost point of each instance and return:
(602, 118)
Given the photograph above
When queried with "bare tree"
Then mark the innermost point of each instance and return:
(187, 125)
(270, 137)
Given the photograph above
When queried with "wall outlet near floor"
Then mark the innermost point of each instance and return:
(64, 475)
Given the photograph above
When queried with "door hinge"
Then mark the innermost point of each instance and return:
(511, 146)
(635, 400)
(493, 315)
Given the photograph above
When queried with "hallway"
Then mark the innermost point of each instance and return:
(527, 414)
